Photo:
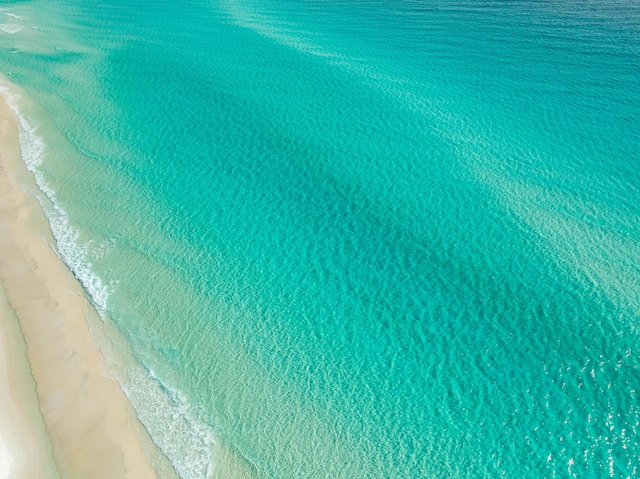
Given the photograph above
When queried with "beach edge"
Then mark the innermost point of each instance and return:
(90, 425)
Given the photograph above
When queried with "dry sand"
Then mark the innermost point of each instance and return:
(59, 415)
(25, 450)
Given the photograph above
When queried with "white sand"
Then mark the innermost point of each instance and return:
(59, 415)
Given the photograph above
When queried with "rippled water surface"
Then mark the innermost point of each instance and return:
(351, 239)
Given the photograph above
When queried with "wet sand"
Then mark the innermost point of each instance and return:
(61, 417)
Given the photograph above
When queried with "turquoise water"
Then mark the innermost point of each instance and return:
(351, 239)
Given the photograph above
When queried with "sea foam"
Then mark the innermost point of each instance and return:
(11, 28)
(189, 443)
(69, 249)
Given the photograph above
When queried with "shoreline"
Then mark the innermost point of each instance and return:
(60, 406)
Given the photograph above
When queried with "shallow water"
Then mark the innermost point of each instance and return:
(351, 239)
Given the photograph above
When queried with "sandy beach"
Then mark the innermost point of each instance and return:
(59, 415)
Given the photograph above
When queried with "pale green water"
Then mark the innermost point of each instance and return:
(351, 239)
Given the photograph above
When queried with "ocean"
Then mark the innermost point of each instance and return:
(350, 239)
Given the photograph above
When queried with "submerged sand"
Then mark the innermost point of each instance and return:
(59, 415)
